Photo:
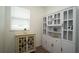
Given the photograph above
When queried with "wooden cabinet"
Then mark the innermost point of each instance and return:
(25, 43)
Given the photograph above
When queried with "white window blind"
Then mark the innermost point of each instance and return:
(20, 18)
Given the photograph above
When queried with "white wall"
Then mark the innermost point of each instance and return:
(2, 20)
(9, 36)
(36, 22)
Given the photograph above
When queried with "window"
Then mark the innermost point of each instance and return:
(20, 18)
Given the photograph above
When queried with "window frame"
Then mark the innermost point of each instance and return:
(20, 18)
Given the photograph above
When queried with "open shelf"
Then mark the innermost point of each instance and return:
(64, 29)
(54, 31)
(53, 25)
(54, 35)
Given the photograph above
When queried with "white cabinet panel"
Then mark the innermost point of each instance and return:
(67, 47)
(57, 45)
(44, 42)
(50, 45)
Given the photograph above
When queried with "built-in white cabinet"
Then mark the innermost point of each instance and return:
(44, 41)
(62, 31)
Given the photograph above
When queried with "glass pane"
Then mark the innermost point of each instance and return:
(58, 15)
(65, 35)
(50, 19)
(17, 24)
(20, 12)
(65, 15)
(70, 24)
(70, 12)
(44, 25)
(55, 16)
(58, 21)
(44, 19)
(65, 25)
(54, 21)
(70, 35)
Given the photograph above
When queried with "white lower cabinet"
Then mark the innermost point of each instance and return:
(44, 42)
(67, 47)
(50, 45)
(54, 45)
(57, 44)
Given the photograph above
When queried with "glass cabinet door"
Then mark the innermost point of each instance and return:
(68, 24)
(65, 25)
(50, 19)
(57, 18)
(70, 14)
(65, 15)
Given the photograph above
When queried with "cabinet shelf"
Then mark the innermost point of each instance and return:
(55, 32)
(54, 35)
(70, 30)
(55, 25)
(65, 20)
(70, 19)
(64, 29)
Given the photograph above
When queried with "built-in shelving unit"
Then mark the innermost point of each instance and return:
(62, 31)
(54, 25)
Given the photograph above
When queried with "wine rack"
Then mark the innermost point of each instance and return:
(25, 43)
